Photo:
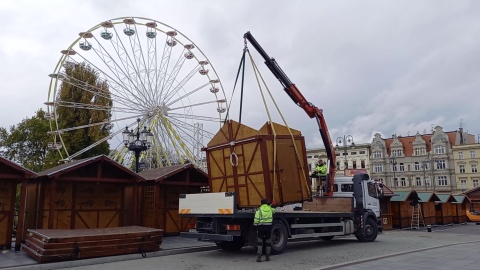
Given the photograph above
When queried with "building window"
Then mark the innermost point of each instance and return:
(362, 152)
(417, 166)
(403, 182)
(337, 154)
(378, 168)
(309, 167)
(475, 183)
(472, 153)
(346, 164)
(460, 155)
(354, 164)
(462, 168)
(427, 182)
(439, 149)
(397, 153)
(345, 154)
(474, 168)
(442, 180)
(441, 164)
(463, 183)
(418, 181)
(420, 151)
(362, 163)
(338, 164)
(402, 167)
(395, 182)
(309, 156)
(394, 167)
(316, 156)
(353, 153)
(377, 154)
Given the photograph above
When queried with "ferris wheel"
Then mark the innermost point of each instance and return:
(132, 74)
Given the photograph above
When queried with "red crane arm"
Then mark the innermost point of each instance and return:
(311, 110)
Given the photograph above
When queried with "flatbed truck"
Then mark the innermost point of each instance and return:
(355, 211)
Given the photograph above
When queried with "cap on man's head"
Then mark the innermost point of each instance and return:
(264, 201)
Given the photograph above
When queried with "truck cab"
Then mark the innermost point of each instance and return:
(343, 187)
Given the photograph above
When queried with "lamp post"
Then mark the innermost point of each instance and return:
(424, 167)
(137, 142)
(345, 140)
(393, 161)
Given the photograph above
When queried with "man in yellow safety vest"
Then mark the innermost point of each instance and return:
(263, 221)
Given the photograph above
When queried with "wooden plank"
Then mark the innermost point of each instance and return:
(37, 242)
(55, 258)
(62, 236)
(89, 249)
(329, 204)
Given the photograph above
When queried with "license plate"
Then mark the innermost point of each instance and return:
(192, 230)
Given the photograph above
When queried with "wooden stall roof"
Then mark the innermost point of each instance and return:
(388, 192)
(161, 174)
(473, 194)
(404, 196)
(460, 199)
(443, 198)
(122, 174)
(13, 171)
(428, 196)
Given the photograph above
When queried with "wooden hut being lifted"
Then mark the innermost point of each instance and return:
(443, 209)
(11, 175)
(427, 205)
(161, 196)
(459, 209)
(243, 160)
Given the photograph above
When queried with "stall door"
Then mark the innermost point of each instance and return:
(7, 200)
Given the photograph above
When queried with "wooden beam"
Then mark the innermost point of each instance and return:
(51, 209)
(95, 179)
(21, 215)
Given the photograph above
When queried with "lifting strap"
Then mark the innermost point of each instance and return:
(240, 67)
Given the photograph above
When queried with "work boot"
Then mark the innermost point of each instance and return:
(259, 258)
(267, 258)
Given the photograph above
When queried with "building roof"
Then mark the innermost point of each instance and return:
(461, 198)
(404, 196)
(428, 196)
(407, 142)
(388, 192)
(446, 198)
(17, 168)
(67, 167)
(161, 173)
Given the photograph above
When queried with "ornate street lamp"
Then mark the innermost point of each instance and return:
(345, 140)
(137, 142)
(393, 161)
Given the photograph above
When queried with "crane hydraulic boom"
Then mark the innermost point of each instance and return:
(311, 110)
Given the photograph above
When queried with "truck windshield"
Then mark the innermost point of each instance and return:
(372, 190)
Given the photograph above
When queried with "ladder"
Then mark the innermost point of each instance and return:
(417, 218)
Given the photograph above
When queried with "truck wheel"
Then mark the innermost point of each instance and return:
(327, 238)
(371, 231)
(230, 246)
(279, 237)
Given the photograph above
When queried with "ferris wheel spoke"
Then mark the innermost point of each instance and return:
(123, 89)
(140, 60)
(90, 89)
(173, 74)
(176, 141)
(123, 75)
(191, 127)
(103, 123)
(187, 94)
(179, 86)
(194, 117)
(190, 139)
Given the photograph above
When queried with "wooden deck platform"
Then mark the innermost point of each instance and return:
(49, 245)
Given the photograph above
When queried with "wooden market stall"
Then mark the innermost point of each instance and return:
(243, 160)
(386, 208)
(90, 193)
(473, 212)
(161, 196)
(443, 209)
(11, 175)
(459, 209)
(427, 205)
(402, 209)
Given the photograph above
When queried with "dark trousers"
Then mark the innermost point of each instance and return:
(264, 233)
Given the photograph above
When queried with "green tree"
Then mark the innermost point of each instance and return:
(89, 102)
(27, 142)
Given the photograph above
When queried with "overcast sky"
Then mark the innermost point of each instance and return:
(394, 67)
